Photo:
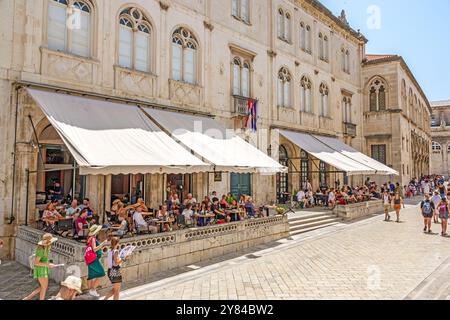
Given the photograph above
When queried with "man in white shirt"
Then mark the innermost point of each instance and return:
(190, 200)
(187, 213)
(140, 222)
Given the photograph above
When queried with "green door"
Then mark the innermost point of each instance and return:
(241, 183)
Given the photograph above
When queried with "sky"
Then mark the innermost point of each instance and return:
(418, 30)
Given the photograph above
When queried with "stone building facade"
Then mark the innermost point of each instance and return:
(396, 117)
(299, 61)
(440, 136)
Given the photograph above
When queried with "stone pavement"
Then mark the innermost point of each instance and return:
(369, 259)
(16, 282)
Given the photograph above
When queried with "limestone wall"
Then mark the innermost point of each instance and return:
(160, 252)
(358, 210)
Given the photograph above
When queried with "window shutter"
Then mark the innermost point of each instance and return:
(244, 10)
(176, 61)
(142, 51)
(321, 48)
(302, 99)
(125, 50)
(234, 8)
(287, 29)
(280, 93)
(280, 25)
(303, 38)
(236, 80)
(56, 27)
(287, 94)
(80, 36)
(308, 40)
(245, 82)
(308, 100)
(189, 65)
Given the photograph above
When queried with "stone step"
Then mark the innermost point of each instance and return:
(302, 217)
(312, 224)
(301, 231)
(316, 218)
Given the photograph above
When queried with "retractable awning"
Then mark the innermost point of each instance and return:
(354, 154)
(215, 144)
(325, 153)
(111, 138)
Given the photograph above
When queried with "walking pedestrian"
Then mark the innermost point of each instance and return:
(386, 204)
(443, 209)
(95, 268)
(41, 266)
(398, 204)
(114, 269)
(436, 199)
(428, 209)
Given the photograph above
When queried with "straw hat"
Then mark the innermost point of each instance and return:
(73, 283)
(47, 240)
(94, 230)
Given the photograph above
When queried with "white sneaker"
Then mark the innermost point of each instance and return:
(94, 293)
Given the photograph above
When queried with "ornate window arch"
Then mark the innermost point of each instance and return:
(377, 95)
(241, 77)
(284, 25)
(306, 94)
(70, 26)
(184, 56)
(345, 59)
(324, 100)
(135, 34)
(305, 37)
(284, 88)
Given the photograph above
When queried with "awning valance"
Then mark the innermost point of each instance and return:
(325, 153)
(215, 144)
(111, 138)
(356, 155)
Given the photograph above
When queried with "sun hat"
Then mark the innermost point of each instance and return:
(93, 230)
(47, 239)
(73, 283)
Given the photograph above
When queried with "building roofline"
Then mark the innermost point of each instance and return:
(397, 58)
(320, 7)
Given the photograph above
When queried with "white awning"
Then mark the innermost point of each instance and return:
(323, 152)
(215, 144)
(112, 138)
(360, 157)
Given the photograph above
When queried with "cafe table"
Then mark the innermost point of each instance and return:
(205, 217)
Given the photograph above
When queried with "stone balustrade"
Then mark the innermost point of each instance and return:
(159, 252)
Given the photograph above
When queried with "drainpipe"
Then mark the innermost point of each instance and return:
(11, 216)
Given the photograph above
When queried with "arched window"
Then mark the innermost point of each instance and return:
(283, 178)
(305, 37)
(284, 88)
(345, 60)
(323, 90)
(347, 109)
(134, 40)
(305, 94)
(184, 56)
(323, 47)
(69, 26)
(241, 78)
(436, 146)
(377, 95)
(240, 9)
(284, 25)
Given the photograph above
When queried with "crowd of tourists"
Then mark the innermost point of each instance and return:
(72, 286)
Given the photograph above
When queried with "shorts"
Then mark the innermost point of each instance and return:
(115, 275)
(386, 208)
(397, 206)
(430, 215)
(443, 215)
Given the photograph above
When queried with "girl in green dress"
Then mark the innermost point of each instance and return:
(95, 269)
(42, 266)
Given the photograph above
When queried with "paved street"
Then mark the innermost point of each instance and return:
(369, 259)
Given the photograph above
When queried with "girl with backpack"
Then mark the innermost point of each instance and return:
(428, 208)
(92, 256)
(41, 266)
(443, 209)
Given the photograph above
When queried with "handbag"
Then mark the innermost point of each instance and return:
(89, 254)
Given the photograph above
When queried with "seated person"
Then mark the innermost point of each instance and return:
(81, 224)
(117, 208)
(221, 217)
(250, 207)
(223, 204)
(230, 198)
(189, 200)
(188, 215)
(50, 217)
(140, 222)
(141, 203)
(163, 214)
(331, 199)
(206, 200)
(121, 229)
(300, 196)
